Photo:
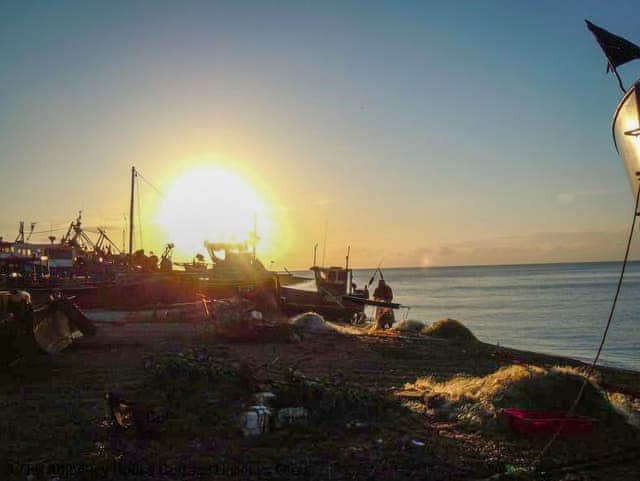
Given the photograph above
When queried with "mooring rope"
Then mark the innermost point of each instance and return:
(545, 449)
(158, 191)
(139, 210)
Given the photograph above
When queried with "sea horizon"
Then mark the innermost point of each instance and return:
(453, 266)
(554, 308)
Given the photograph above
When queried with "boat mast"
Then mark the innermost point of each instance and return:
(346, 267)
(133, 178)
(255, 235)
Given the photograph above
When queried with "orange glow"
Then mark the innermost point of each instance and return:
(212, 203)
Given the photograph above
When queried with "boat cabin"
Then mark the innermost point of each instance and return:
(233, 254)
(15, 250)
(6, 249)
(332, 279)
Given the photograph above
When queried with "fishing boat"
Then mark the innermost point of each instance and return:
(234, 267)
(334, 295)
(99, 274)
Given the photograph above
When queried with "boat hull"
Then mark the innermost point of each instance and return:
(297, 301)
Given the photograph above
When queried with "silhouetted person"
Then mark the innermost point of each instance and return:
(383, 292)
(384, 315)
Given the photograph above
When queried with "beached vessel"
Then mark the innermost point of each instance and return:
(335, 295)
(98, 274)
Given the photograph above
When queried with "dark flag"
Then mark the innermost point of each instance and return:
(617, 49)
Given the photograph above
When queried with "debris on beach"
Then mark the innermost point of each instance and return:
(50, 328)
(127, 414)
(478, 402)
(234, 309)
(292, 416)
(449, 329)
(240, 320)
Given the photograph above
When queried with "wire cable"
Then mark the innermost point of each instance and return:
(158, 191)
(139, 217)
(48, 230)
(571, 411)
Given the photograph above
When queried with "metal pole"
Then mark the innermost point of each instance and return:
(133, 177)
(349, 277)
(255, 235)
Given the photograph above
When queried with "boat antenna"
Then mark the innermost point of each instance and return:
(347, 257)
(20, 238)
(324, 242)
(31, 227)
(315, 251)
(375, 273)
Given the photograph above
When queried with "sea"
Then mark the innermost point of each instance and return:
(551, 308)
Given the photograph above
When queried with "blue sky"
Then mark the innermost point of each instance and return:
(428, 133)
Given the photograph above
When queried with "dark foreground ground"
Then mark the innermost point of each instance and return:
(54, 422)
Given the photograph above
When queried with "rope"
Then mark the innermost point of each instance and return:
(158, 191)
(619, 457)
(571, 411)
(48, 231)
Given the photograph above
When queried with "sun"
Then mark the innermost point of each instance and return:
(211, 203)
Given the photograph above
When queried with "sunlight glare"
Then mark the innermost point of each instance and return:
(210, 203)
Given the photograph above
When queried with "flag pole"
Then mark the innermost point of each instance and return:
(615, 71)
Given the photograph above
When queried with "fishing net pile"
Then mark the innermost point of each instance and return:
(409, 326)
(449, 329)
(311, 321)
(477, 402)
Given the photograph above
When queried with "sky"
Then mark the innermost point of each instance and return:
(419, 133)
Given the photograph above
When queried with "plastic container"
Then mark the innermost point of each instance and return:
(534, 422)
(292, 416)
(255, 421)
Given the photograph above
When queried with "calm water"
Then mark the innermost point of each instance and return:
(557, 308)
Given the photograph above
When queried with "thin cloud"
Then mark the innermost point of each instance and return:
(533, 248)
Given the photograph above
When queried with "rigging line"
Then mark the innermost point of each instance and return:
(48, 230)
(139, 218)
(158, 191)
(571, 411)
(52, 226)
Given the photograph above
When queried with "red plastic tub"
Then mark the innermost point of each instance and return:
(534, 422)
